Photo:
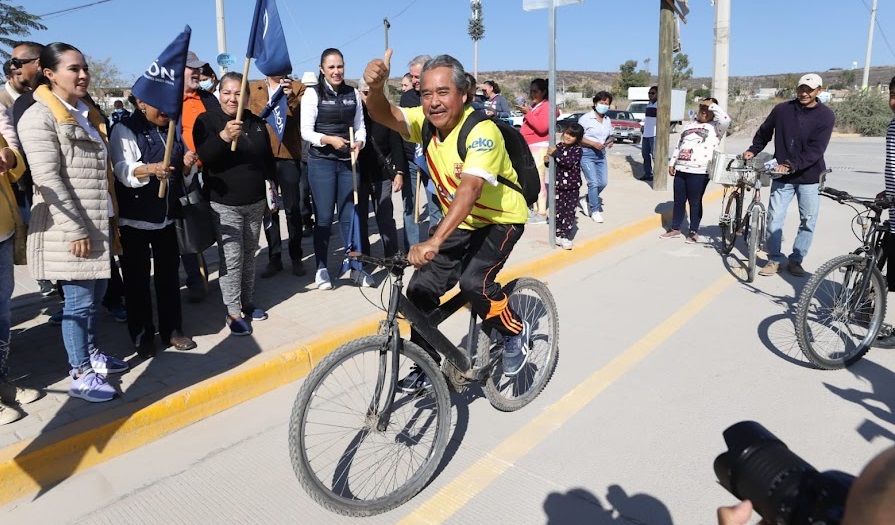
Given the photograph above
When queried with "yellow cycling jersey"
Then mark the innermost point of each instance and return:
(486, 157)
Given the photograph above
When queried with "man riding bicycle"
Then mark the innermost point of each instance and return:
(483, 218)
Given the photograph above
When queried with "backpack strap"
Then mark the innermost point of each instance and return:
(474, 118)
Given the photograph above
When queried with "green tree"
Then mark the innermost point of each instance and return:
(863, 112)
(628, 76)
(105, 79)
(681, 70)
(15, 21)
(786, 86)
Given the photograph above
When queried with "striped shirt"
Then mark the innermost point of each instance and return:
(890, 170)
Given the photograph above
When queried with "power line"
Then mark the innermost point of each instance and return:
(70, 9)
(365, 33)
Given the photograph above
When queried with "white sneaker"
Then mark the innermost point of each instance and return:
(322, 280)
(582, 204)
(597, 216)
(362, 278)
(566, 244)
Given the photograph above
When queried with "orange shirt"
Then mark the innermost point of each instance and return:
(192, 108)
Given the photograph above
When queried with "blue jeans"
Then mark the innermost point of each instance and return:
(79, 313)
(647, 148)
(596, 173)
(331, 185)
(808, 198)
(7, 283)
(408, 196)
(688, 189)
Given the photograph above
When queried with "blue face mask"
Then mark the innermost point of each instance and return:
(601, 108)
(206, 84)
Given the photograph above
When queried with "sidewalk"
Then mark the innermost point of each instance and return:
(62, 435)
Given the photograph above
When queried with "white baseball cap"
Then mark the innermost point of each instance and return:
(811, 80)
(309, 78)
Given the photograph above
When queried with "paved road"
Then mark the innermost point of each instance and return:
(662, 347)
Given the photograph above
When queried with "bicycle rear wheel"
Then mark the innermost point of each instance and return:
(343, 461)
(730, 224)
(530, 300)
(835, 324)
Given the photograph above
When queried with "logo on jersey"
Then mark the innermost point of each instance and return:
(481, 145)
(458, 168)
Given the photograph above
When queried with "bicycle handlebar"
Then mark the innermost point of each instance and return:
(396, 262)
(843, 196)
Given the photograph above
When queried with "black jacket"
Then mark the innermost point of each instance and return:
(234, 178)
(801, 136)
(383, 146)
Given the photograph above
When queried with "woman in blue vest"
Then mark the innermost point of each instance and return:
(327, 113)
(148, 238)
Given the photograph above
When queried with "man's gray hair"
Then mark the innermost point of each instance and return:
(458, 74)
(419, 61)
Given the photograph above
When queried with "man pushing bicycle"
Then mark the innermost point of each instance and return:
(483, 218)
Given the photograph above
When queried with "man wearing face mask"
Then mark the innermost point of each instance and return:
(597, 139)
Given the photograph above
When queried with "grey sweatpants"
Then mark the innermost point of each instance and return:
(239, 228)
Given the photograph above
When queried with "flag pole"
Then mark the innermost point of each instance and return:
(169, 145)
(242, 97)
(353, 164)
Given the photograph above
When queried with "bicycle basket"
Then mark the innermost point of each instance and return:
(719, 168)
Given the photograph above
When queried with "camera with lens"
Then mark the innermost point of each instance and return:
(784, 488)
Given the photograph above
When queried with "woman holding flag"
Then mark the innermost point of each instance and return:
(235, 182)
(327, 114)
(148, 236)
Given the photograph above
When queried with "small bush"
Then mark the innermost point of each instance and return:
(865, 113)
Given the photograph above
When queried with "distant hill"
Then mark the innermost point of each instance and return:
(515, 83)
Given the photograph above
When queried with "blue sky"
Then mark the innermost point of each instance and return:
(767, 36)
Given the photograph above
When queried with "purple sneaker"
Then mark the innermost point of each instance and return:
(104, 364)
(91, 387)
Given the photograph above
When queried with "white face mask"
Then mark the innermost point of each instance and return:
(205, 84)
(601, 108)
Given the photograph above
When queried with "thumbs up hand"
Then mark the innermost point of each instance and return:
(376, 74)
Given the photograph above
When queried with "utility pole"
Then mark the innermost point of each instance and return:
(866, 77)
(387, 26)
(721, 72)
(663, 116)
(222, 33)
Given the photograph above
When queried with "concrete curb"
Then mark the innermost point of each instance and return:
(32, 465)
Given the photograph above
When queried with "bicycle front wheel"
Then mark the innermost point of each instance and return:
(756, 227)
(339, 454)
(530, 300)
(835, 322)
(731, 222)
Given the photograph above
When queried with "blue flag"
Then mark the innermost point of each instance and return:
(267, 43)
(161, 85)
(275, 112)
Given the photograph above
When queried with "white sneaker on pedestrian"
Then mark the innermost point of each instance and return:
(582, 204)
(322, 280)
(566, 244)
(597, 216)
(362, 278)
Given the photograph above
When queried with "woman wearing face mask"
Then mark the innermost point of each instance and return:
(597, 139)
(208, 80)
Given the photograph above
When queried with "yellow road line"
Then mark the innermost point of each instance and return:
(51, 457)
(472, 481)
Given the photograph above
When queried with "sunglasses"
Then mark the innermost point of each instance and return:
(18, 62)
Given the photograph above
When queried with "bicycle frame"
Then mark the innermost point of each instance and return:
(874, 234)
(427, 326)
